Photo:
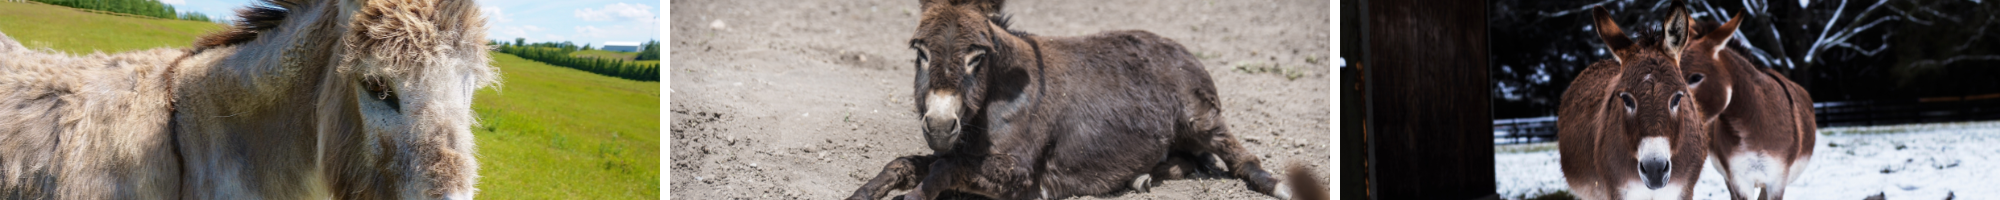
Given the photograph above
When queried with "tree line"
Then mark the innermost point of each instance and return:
(648, 51)
(149, 8)
(558, 54)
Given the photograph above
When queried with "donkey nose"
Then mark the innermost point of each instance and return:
(937, 126)
(940, 133)
(1654, 171)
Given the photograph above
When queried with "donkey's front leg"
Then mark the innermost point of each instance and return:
(997, 176)
(898, 175)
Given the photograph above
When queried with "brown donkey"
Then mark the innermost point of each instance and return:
(1627, 127)
(1017, 116)
(1760, 123)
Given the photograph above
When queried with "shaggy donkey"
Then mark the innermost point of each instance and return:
(1018, 116)
(1761, 127)
(1627, 126)
(301, 99)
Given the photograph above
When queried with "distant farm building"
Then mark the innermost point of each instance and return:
(621, 46)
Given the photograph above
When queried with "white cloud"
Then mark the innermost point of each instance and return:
(174, 2)
(509, 32)
(591, 31)
(554, 37)
(619, 12)
(494, 13)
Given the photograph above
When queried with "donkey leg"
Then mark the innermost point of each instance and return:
(1242, 164)
(994, 176)
(898, 175)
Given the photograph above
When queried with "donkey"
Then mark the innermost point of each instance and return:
(1012, 115)
(1627, 127)
(301, 99)
(1761, 128)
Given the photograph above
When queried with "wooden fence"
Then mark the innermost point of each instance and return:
(1826, 114)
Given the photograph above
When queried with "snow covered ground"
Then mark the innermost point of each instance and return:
(1918, 161)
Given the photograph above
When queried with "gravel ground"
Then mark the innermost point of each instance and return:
(780, 99)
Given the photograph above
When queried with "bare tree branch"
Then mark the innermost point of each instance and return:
(1824, 42)
(1865, 52)
(1978, 33)
(1912, 19)
(1585, 8)
(1948, 61)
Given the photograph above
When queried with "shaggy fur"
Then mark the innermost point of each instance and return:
(304, 99)
(1615, 106)
(1760, 123)
(84, 127)
(1012, 115)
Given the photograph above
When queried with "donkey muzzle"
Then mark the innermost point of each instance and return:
(941, 134)
(1654, 166)
(1654, 172)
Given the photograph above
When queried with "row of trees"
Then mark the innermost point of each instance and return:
(650, 49)
(149, 8)
(558, 54)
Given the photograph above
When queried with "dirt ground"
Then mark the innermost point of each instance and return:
(780, 99)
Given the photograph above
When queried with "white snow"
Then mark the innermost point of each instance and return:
(1921, 161)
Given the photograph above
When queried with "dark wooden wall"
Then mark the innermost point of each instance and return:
(1429, 100)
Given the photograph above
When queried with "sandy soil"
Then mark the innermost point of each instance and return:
(777, 99)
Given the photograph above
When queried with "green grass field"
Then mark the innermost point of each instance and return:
(559, 133)
(76, 31)
(548, 132)
(627, 56)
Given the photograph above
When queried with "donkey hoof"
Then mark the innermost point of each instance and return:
(1140, 184)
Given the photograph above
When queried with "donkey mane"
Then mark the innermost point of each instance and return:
(263, 15)
(1006, 22)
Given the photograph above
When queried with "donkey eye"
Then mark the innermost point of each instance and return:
(1676, 102)
(1695, 79)
(973, 59)
(1629, 105)
(380, 91)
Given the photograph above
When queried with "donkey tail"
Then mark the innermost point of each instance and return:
(1301, 184)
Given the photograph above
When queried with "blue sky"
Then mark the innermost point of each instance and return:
(581, 21)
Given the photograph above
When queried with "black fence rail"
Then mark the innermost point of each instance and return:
(1524, 130)
(1904, 111)
(1826, 114)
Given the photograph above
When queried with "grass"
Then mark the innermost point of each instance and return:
(558, 133)
(626, 56)
(548, 132)
(78, 31)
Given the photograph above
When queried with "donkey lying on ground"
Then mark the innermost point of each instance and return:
(301, 99)
(1761, 127)
(1018, 116)
(1627, 129)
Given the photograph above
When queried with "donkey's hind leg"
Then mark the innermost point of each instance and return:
(1212, 137)
(901, 174)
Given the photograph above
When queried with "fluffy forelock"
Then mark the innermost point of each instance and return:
(412, 39)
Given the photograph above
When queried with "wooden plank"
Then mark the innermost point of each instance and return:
(1430, 115)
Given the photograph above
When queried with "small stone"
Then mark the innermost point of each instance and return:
(718, 25)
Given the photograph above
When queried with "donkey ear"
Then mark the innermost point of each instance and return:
(1607, 29)
(1676, 32)
(988, 7)
(1716, 39)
